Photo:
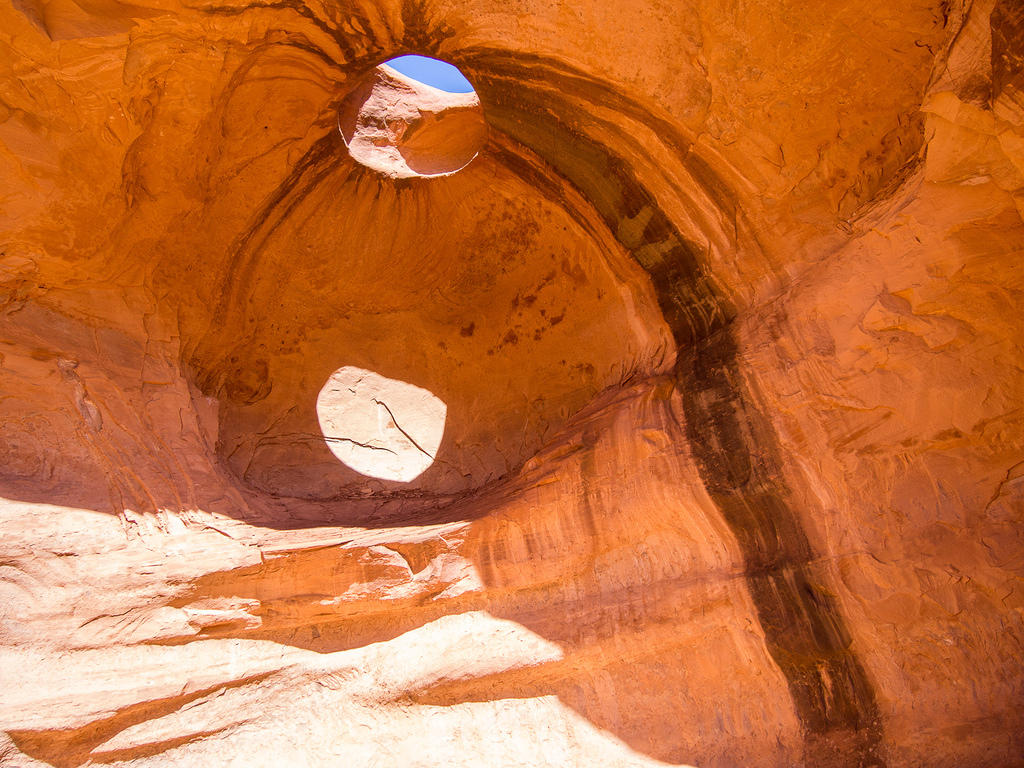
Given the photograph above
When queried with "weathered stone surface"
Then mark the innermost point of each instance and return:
(714, 347)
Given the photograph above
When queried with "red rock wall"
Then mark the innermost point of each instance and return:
(725, 317)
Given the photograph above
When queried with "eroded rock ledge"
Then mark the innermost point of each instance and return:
(711, 358)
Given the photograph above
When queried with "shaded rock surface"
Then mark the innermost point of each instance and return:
(722, 322)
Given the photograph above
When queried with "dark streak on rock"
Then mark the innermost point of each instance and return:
(307, 173)
(423, 32)
(531, 116)
(804, 629)
(734, 444)
(1007, 53)
(349, 55)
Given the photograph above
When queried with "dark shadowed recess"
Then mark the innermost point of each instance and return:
(737, 452)
(1007, 59)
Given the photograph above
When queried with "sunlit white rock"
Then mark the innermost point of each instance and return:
(380, 427)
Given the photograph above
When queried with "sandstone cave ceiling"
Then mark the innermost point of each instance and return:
(710, 310)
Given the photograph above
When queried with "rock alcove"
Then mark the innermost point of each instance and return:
(718, 330)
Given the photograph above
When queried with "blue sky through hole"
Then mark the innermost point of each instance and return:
(439, 74)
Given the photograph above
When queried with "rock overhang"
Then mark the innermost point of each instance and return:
(817, 507)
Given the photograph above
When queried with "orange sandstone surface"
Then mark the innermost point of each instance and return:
(659, 404)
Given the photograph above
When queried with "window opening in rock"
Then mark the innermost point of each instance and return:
(413, 116)
(380, 427)
(433, 72)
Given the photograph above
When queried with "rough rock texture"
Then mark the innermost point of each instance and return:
(725, 325)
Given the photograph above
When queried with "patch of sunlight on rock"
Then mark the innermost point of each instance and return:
(380, 427)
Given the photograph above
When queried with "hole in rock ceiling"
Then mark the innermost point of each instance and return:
(380, 427)
(411, 117)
